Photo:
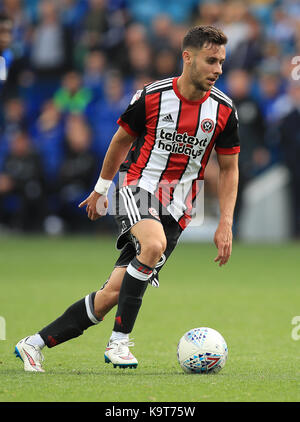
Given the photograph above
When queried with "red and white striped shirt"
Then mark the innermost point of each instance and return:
(174, 140)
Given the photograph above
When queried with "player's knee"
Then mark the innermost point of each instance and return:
(153, 249)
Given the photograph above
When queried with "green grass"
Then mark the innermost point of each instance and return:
(251, 301)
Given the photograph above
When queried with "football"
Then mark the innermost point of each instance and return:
(202, 350)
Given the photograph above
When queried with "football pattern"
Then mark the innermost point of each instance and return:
(202, 350)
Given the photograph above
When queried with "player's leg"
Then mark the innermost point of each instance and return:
(172, 231)
(151, 237)
(30, 348)
(107, 297)
(152, 240)
(81, 315)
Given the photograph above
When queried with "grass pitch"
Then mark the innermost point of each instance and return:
(251, 301)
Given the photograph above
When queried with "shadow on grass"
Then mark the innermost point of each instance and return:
(112, 372)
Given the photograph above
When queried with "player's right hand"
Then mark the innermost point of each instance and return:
(223, 241)
(96, 205)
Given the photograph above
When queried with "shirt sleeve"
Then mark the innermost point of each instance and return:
(133, 119)
(228, 142)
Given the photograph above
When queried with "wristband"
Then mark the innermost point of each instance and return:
(102, 186)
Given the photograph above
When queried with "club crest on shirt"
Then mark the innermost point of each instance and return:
(207, 125)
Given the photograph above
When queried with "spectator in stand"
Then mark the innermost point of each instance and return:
(285, 103)
(251, 122)
(282, 29)
(15, 11)
(14, 121)
(254, 155)
(176, 36)
(289, 129)
(95, 69)
(71, 13)
(21, 186)
(51, 44)
(234, 24)
(297, 39)
(272, 55)
(140, 81)
(3, 149)
(292, 8)
(248, 53)
(47, 137)
(165, 59)
(165, 64)
(140, 59)
(134, 36)
(77, 172)
(107, 111)
(14, 117)
(102, 27)
(271, 87)
(160, 30)
(207, 12)
(6, 30)
(6, 27)
(95, 25)
(134, 55)
(73, 96)
(31, 9)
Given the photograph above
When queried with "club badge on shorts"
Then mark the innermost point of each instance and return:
(154, 213)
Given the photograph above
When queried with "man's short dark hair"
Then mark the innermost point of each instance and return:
(200, 35)
(4, 17)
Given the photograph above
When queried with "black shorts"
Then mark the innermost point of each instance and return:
(133, 204)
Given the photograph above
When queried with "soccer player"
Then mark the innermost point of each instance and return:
(161, 148)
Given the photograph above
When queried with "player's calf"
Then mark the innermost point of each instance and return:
(133, 287)
(72, 323)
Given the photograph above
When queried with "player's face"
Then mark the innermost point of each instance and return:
(205, 66)
(5, 34)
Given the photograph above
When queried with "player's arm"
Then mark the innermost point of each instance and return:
(115, 155)
(227, 193)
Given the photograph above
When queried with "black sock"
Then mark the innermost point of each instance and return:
(77, 318)
(133, 287)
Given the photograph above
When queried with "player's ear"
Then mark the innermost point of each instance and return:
(187, 57)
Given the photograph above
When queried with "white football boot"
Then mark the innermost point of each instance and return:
(31, 356)
(117, 352)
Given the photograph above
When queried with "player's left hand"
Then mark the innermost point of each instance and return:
(96, 205)
(223, 241)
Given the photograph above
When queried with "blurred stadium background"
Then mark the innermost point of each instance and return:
(74, 66)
